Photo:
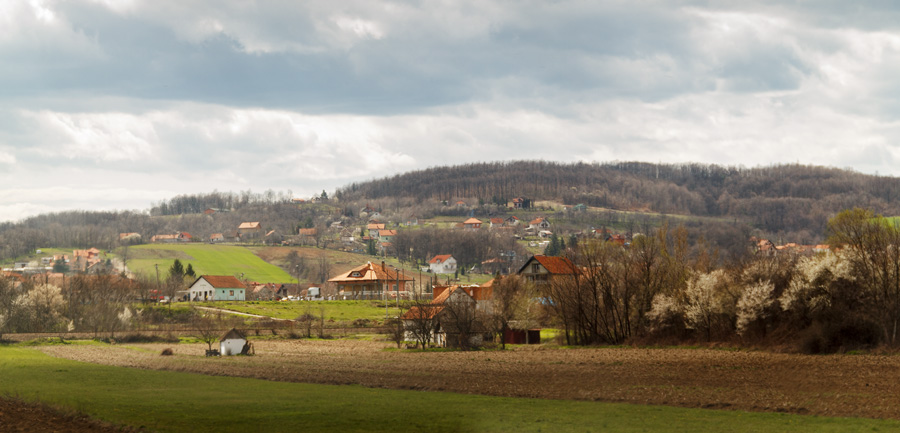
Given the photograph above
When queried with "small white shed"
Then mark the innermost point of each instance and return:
(232, 343)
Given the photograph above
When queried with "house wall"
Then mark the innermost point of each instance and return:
(201, 291)
(447, 267)
(229, 295)
(231, 346)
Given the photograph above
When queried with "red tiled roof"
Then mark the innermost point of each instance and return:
(537, 221)
(497, 220)
(387, 233)
(441, 258)
(556, 265)
(222, 281)
(308, 232)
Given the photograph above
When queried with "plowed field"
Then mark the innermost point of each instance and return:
(834, 385)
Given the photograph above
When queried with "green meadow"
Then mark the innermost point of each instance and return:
(168, 401)
(339, 311)
(206, 259)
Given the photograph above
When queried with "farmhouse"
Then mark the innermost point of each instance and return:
(217, 237)
(472, 223)
(371, 281)
(250, 229)
(233, 343)
(539, 224)
(541, 269)
(450, 320)
(442, 264)
(217, 288)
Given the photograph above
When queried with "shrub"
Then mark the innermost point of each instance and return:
(167, 352)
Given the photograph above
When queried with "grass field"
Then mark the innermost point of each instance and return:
(340, 311)
(181, 402)
(206, 259)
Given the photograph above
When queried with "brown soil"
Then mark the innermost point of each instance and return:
(832, 385)
(19, 416)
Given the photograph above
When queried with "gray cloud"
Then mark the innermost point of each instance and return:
(165, 97)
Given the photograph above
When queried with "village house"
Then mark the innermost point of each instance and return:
(216, 237)
(539, 224)
(497, 222)
(472, 223)
(371, 281)
(442, 264)
(521, 203)
(250, 230)
(373, 228)
(450, 319)
(512, 221)
(129, 238)
(541, 269)
(176, 237)
(307, 236)
(217, 288)
(386, 236)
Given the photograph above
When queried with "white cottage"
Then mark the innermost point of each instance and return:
(217, 288)
(232, 343)
(442, 264)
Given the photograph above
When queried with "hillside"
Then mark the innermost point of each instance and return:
(781, 198)
(206, 260)
(724, 205)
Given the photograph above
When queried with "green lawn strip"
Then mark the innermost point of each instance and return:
(181, 402)
(206, 259)
(334, 310)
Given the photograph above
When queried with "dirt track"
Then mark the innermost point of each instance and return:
(837, 385)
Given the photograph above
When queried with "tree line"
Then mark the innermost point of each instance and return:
(662, 291)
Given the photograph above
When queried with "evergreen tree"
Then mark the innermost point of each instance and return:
(553, 248)
(177, 269)
(370, 247)
(190, 271)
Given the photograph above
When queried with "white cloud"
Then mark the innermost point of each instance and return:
(97, 136)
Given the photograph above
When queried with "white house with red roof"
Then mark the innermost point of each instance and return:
(217, 288)
(442, 264)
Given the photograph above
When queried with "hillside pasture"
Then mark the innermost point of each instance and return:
(206, 259)
(175, 401)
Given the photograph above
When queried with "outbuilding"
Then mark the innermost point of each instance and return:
(232, 343)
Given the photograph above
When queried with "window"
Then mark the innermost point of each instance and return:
(535, 268)
(231, 293)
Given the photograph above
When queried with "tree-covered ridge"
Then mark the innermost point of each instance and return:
(777, 198)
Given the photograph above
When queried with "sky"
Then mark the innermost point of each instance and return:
(117, 104)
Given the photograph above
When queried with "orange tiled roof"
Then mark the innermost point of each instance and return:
(370, 272)
(249, 225)
(472, 221)
(440, 258)
(537, 221)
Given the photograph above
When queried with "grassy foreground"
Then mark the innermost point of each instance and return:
(206, 259)
(181, 402)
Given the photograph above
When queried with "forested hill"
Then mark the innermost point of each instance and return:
(775, 198)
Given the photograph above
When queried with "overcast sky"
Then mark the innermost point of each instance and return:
(115, 104)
